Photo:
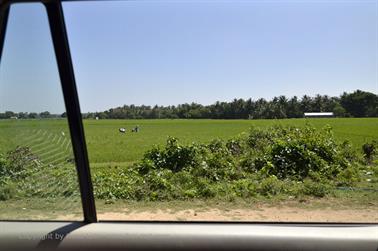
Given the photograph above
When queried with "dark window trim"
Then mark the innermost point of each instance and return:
(71, 99)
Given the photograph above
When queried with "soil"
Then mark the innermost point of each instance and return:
(266, 214)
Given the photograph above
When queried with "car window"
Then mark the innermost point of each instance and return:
(194, 111)
(38, 179)
(229, 110)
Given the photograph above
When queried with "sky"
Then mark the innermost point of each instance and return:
(173, 52)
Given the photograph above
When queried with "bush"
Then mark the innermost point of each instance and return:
(348, 176)
(8, 190)
(270, 186)
(316, 189)
(296, 152)
(174, 157)
(234, 146)
(245, 188)
(120, 183)
(268, 162)
(19, 163)
(369, 150)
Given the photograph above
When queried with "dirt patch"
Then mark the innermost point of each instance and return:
(273, 214)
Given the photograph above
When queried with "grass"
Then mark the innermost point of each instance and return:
(106, 146)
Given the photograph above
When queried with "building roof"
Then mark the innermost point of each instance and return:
(318, 113)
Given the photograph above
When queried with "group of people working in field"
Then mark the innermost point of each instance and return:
(123, 130)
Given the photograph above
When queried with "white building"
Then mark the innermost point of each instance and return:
(318, 114)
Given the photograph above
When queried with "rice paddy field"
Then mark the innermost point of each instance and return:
(50, 140)
(107, 145)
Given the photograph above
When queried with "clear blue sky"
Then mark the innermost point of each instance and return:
(171, 52)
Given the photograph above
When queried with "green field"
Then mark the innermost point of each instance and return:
(106, 145)
(111, 154)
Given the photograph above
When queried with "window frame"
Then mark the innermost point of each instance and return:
(63, 57)
(155, 235)
(58, 32)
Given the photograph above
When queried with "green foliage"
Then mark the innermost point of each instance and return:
(234, 146)
(174, 157)
(316, 189)
(18, 163)
(339, 111)
(264, 162)
(348, 176)
(22, 173)
(358, 104)
(369, 150)
(114, 183)
(7, 190)
(270, 186)
(300, 151)
(3, 166)
(274, 161)
(106, 145)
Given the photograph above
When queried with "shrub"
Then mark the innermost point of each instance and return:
(234, 146)
(216, 145)
(294, 152)
(369, 150)
(259, 139)
(348, 176)
(174, 157)
(316, 189)
(207, 189)
(7, 191)
(120, 183)
(50, 183)
(269, 186)
(245, 188)
(267, 161)
(19, 163)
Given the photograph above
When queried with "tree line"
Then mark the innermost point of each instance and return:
(27, 115)
(356, 104)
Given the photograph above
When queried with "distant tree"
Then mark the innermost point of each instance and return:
(294, 108)
(44, 114)
(339, 111)
(32, 115)
(102, 115)
(360, 103)
(306, 104)
(9, 114)
(63, 115)
(317, 104)
(277, 107)
(22, 115)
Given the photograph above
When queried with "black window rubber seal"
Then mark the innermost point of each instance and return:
(67, 78)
